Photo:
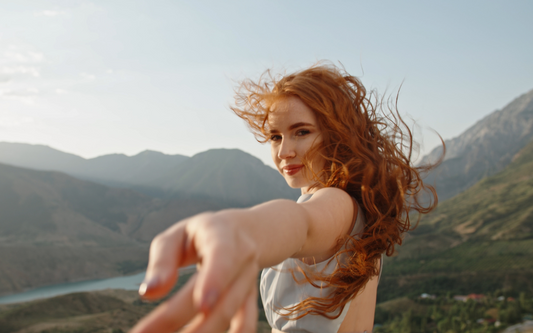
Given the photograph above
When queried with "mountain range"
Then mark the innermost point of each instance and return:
(65, 218)
(228, 176)
(56, 228)
(483, 149)
(114, 168)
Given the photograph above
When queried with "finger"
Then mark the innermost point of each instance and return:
(222, 260)
(166, 255)
(220, 317)
(172, 314)
(246, 319)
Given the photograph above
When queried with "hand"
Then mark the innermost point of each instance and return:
(222, 293)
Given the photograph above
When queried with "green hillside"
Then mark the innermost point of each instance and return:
(78, 312)
(497, 208)
(108, 311)
(481, 240)
(55, 228)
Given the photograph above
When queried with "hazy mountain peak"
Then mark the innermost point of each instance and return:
(38, 157)
(231, 175)
(154, 153)
(225, 152)
(149, 152)
(483, 149)
(515, 119)
(110, 156)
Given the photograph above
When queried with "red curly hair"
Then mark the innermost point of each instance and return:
(368, 149)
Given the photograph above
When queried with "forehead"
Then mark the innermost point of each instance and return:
(289, 110)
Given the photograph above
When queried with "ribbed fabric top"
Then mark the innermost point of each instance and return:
(279, 290)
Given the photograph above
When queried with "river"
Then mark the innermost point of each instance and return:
(130, 282)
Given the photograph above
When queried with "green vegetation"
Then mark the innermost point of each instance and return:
(446, 315)
(79, 312)
(497, 208)
(479, 241)
(85, 312)
(109, 311)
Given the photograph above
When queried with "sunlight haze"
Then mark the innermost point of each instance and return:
(100, 77)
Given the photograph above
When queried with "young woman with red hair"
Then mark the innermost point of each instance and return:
(321, 257)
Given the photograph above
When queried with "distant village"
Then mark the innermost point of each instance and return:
(525, 326)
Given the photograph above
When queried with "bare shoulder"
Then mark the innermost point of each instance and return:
(334, 202)
(330, 214)
(332, 194)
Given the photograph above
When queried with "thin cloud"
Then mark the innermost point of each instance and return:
(29, 92)
(19, 62)
(50, 13)
(20, 57)
(61, 91)
(24, 95)
(14, 121)
(87, 76)
(25, 70)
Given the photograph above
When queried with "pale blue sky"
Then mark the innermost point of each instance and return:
(99, 77)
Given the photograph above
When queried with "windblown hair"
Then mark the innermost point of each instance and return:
(368, 149)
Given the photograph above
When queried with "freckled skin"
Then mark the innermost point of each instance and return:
(294, 130)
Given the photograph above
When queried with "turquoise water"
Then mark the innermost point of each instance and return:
(130, 282)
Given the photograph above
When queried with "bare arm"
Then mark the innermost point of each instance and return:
(282, 228)
(231, 246)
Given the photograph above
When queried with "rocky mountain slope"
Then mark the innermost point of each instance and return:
(483, 149)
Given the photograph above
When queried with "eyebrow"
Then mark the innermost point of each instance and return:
(293, 126)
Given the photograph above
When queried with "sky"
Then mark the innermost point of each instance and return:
(101, 77)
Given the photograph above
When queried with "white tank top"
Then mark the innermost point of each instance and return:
(279, 290)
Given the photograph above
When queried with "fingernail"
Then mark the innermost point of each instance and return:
(147, 286)
(209, 300)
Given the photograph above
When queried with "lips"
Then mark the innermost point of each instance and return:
(292, 169)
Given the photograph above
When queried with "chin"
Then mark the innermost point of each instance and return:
(295, 183)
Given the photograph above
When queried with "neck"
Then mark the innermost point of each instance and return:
(309, 189)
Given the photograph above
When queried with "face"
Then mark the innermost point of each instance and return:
(293, 131)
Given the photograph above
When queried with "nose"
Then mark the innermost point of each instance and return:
(286, 150)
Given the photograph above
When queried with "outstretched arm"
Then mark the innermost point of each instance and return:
(230, 247)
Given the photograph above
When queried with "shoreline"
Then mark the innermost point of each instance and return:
(125, 282)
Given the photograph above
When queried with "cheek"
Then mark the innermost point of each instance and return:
(308, 144)
(318, 161)
(274, 153)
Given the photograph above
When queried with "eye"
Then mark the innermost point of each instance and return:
(302, 132)
(275, 137)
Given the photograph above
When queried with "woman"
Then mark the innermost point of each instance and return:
(321, 255)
